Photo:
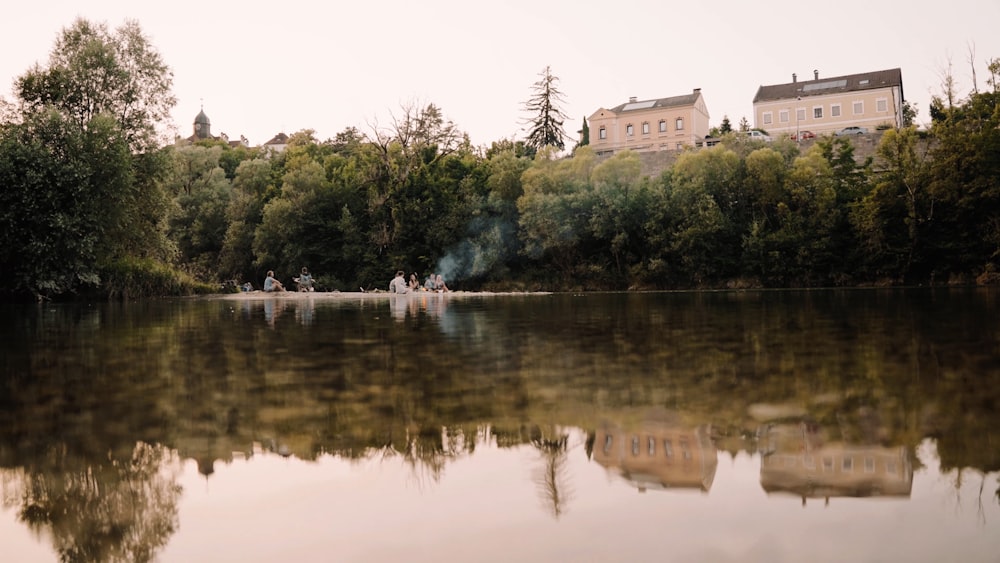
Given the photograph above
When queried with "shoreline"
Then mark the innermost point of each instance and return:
(258, 295)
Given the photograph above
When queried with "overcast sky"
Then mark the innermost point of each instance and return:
(261, 68)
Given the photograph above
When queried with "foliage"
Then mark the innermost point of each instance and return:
(94, 71)
(133, 278)
(80, 173)
(83, 188)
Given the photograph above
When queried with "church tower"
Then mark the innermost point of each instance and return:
(202, 126)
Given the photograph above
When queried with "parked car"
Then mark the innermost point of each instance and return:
(755, 135)
(803, 135)
(852, 131)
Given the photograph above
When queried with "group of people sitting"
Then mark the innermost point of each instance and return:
(399, 284)
(304, 282)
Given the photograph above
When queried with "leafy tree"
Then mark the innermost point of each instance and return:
(82, 188)
(198, 222)
(251, 184)
(890, 219)
(909, 113)
(620, 209)
(95, 71)
(545, 126)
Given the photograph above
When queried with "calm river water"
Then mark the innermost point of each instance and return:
(777, 426)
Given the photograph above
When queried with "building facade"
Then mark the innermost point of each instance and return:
(650, 125)
(871, 100)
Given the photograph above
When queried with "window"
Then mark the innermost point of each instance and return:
(635, 445)
(645, 128)
(869, 465)
(679, 146)
(663, 126)
(818, 112)
(602, 133)
(800, 114)
(858, 108)
(835, 110)
(768, 118)
(783, 116)
(608, 440)
(679, 124)
(668, 448)
(629, 130)
(847, 465)
(651, 446)
(881, 105)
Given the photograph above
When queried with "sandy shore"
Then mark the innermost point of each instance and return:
(358, 295)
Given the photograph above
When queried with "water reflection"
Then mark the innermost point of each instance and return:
(824, 395)
(660, 453)
(118, 509)
(800, 458)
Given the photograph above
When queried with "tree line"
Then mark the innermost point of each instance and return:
(92, 203)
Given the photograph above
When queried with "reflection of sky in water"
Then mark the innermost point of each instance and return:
(487, 507)
(382, 510)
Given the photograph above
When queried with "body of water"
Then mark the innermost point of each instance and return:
(762, 426)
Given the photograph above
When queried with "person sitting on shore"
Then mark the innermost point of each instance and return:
(272, 284)
(439, 283)
(414, 283)
(304, 280)
(398, 284)
(430, 284)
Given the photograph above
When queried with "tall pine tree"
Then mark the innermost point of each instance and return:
(545, 126)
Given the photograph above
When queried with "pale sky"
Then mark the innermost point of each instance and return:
(261, 68)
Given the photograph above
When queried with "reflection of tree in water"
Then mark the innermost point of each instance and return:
(428, 449)
(120, 510)
(551, 476)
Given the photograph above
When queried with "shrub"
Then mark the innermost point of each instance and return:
(136, 278)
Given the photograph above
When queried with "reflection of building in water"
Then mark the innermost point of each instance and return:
(658, 455)
(795, 459)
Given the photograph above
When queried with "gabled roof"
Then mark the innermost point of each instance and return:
(672, 102)
(279, 139)
(833, 85)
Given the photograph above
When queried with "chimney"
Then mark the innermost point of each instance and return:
(696, 90)
(815, 75)
(632, 99)
(795, 78)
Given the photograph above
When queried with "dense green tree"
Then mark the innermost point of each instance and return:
(197, 222)
(93, 71)
(251, 183)
(81, 185)
(891, 218)
(619, 212)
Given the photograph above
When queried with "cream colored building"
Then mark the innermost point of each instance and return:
(826, 105)
(650, 125)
